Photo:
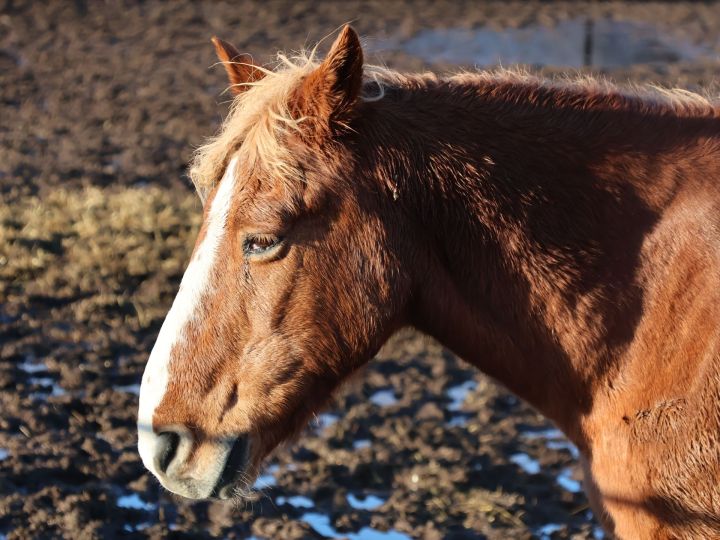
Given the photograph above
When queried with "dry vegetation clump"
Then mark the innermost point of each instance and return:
(99, 249)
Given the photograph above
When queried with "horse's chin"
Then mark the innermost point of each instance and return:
(241, 488)
(239, 472)
(239, 493)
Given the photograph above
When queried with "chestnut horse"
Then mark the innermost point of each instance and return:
(563, 237)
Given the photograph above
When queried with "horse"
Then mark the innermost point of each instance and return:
(563, 236)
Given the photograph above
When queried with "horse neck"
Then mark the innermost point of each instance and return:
(530, 237)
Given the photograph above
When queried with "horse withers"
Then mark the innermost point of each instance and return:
(563, 237)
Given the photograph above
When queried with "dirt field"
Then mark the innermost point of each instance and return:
(101, 106)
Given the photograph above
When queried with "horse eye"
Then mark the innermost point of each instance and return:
(260, 243)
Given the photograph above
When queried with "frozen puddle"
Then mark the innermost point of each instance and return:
(321, 524)
(30, 366)
(42, 381)
(370, 502)
(298, 501)
(267, 478)
(457, 394)
(545, 531)
(566, 481)
(383, 398)
(129, 389)
(325, 420)
(457, 420)
(136, 528)
(575, 42)
(550, 433)
(531, 466)
(134, 502)
(361, 443)
(56, 389)
(564, 445)
(554, 439)
(526, 463)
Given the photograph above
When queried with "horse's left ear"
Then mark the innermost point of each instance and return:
(240, 69)
(332, 89)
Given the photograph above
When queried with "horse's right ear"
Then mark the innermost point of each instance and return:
(240, 69)
(330, 92)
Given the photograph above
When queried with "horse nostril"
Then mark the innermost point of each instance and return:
(168, 442)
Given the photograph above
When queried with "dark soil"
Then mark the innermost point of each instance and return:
(101, 105)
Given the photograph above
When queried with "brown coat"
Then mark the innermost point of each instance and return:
(562, 237)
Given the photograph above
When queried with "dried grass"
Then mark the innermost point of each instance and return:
(98, 249)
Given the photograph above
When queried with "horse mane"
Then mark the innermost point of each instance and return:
(581, 91)
(260, 118)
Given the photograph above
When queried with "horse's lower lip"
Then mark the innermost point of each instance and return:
(234, 467)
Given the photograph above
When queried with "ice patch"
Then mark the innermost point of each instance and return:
(457, 420)
(526, 463)
(30, 366)
(368, 533)
(4, 454)
(457, 394)
(383, 398)
(370, 502)
(550, 433)
(325, 420)
(321, 524)
(564, 445)
(566, 481)
(57, 390)
(361, 443)
(129, 389)
(298, 501)
(555, 440)
(267, 478)
(545, 531)
(134, 502)
(137, 527)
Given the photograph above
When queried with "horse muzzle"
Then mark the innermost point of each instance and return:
(196, 469)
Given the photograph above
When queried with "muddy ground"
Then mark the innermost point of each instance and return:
(101, 106)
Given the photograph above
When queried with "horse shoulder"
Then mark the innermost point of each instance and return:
(665, 404)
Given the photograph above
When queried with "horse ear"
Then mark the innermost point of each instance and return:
(334, 87)
(240, 69)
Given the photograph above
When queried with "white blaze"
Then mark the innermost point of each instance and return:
(192, 287)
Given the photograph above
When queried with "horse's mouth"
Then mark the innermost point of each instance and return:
(233, 477)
